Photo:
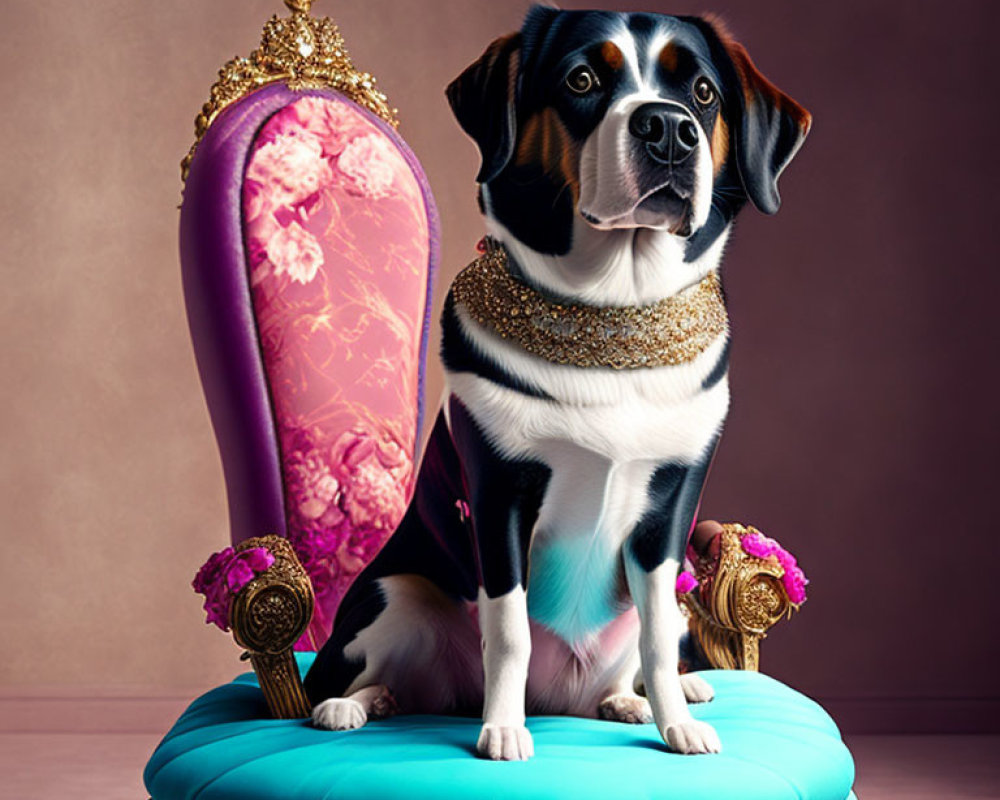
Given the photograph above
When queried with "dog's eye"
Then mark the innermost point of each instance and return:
(704, 92)
(581, 80)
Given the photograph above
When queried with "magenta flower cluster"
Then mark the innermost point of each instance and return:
(344, 502)
(794, 579)
(224, 575)
(686, 582)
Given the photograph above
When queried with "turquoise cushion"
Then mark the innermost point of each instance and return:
(776, 744)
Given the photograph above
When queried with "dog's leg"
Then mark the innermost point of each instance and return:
(623, 703)
(696, 688)
(504, 497)
(652, 557)
(402, 640)
(662, 623)
(348, 713)
(506, 652)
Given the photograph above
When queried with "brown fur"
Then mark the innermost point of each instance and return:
(668, 57)
(545, 141)
(755, 86)
(612, 55)
(720, 145)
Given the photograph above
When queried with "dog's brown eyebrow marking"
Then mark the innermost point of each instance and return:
(546, 142)
(720, 145)
(668, 57)
(612, 55)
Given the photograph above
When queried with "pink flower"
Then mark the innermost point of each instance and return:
(686, 582)
(224, 575)
(295, 252)
(758, 545)
(259, 559)
(786, 559)
(370, 162)
(374, 474)
(291, 168)
(311, 485)
(795, 583)
(331, 123)
(794, 579)
(212, 570)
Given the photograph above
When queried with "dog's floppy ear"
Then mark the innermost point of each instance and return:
(770, 125)
(482, 98)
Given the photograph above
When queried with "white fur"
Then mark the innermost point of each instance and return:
(506, 654)
(610, 194)
(662, 625)
(423, 646)
(696, 688)
(339, 714)
(638, 428)
(590, 506)
(609, 190)
(633, 266)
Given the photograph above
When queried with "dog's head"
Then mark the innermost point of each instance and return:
(626, 120)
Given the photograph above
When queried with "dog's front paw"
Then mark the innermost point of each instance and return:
(696, 688)
(505, 743)
(692, 736)
(339, 714)
(625, 708)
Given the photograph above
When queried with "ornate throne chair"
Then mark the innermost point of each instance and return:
(308, 244)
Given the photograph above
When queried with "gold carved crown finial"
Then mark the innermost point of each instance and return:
(305, 52)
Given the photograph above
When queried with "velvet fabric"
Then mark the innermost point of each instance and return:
(239, 388)
(777, 745)
(337, 239)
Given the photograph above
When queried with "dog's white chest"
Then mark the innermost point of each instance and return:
(576, 584)
(656, 415)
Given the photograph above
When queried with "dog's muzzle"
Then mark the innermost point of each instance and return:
(646, 166)
(669, 134)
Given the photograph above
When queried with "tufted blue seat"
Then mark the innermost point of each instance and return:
(777, 745)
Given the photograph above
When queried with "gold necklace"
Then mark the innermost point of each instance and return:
(672, 331)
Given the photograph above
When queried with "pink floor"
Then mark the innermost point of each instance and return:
(92, 766)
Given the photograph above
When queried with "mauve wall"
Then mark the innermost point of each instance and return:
(862, 435)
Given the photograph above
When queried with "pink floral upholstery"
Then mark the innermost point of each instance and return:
(336, 235)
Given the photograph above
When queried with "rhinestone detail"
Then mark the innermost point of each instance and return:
(672, 331)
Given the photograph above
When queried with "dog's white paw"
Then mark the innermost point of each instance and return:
(505, 743)
(339, 714)
(625, 708)
(692, 736)
(696, 688)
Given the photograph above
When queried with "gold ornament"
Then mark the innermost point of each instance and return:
(738, 599)
(268, 616)
(305, 52)
(670, 332)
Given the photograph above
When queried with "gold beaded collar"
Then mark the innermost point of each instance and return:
(669, 332)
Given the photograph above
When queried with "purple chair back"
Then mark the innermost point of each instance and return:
(309, 240)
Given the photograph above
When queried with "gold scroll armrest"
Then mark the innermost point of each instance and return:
(267, 617)
(738, 599)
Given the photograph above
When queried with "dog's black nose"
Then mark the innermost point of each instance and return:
(668, 131)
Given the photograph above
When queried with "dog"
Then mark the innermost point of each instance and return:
(586, 356)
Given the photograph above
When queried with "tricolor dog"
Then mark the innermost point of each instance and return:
(586, 354)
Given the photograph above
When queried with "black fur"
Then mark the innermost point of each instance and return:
(504, 497)
(458, 354)
(674, 494)
(719, 370)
